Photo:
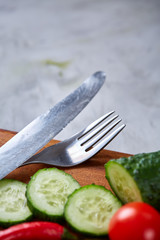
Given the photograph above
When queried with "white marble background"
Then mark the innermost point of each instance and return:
(120, 37)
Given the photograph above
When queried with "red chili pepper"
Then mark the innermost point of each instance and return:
(36, 231)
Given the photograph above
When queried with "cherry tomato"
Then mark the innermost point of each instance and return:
(135, 221)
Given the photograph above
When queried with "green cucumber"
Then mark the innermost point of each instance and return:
(136, 178)
(13, 203)
(89, 210)
(47, 193)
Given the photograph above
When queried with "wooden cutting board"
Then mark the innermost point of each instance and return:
(91, 171)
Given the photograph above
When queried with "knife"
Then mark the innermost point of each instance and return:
(41, 130)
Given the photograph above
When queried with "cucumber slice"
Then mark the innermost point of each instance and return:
(90, 208)
(122, 183)
(136, 178)
(47, 193)
(13, 203)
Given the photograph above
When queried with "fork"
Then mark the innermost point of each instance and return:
(81, 146)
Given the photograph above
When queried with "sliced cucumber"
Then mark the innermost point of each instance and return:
(90, 208)
(13, 203)
(122, 183)
(136, 178)
(47, 193)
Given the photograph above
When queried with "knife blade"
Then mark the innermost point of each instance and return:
(41, 130)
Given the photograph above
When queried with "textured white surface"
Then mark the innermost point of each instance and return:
(120, 37)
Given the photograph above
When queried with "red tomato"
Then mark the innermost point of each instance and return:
(135, 221)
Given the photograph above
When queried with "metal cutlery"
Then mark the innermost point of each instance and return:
(82, 145)
(40, 131)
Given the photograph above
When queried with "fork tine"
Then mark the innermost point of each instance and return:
(105, 141)
(95, 123)
(95, 139)
(92, 132)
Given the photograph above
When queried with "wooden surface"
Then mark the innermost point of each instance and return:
(91, 171)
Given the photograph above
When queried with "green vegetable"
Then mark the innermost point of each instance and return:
(13, 203)
(90, 208)
(136, 178)
(47, 193)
